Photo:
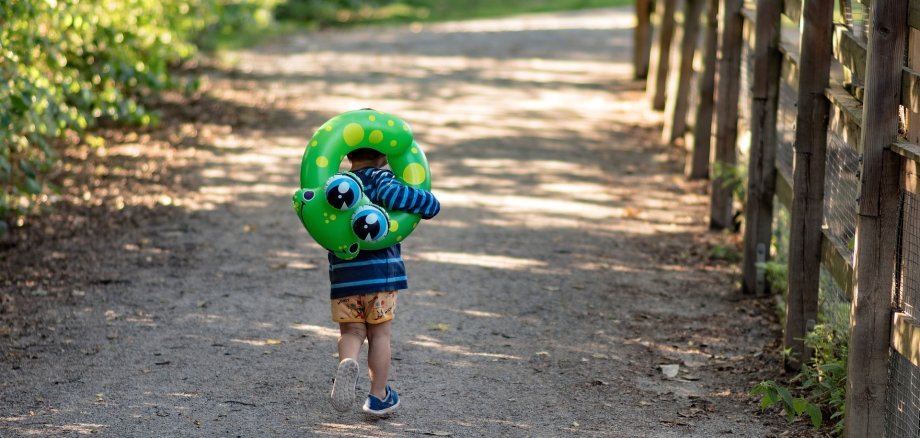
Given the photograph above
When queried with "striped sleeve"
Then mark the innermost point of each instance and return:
(394, 195)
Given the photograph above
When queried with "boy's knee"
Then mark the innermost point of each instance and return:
(378, 331)
(353, 329)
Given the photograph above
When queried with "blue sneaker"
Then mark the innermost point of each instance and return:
(377, 407)
(343, 388)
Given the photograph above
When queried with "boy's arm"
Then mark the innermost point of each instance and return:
(394, 195)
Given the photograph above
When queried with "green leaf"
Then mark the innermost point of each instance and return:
(32, 186)
(816, 417)
(26, 168)
(5, 168)
(766, 402)
(786, 396)
(799, 405)
(19, 103)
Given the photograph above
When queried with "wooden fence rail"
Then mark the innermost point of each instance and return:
(861, 109)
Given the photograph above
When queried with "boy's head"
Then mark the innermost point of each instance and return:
(365, 157)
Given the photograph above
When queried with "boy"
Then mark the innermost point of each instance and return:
(364, 289)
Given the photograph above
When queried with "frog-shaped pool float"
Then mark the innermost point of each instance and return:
(332, 205)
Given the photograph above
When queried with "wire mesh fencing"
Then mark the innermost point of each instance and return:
(841, 191)
(785, 128)
(903, 403)
(907, 278)
(902, 409)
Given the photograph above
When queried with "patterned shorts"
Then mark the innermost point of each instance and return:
(373, 308)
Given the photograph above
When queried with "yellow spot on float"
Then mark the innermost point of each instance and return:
(390, 123)
(332, 218)
(327, 221)
(353, 134)
(322, 161)
(376, 136)
(398, 238)
(414, 225)
(314, 143)
(325, 214)
(328, 128)
(414, 150)
(372, 117)
(393, 143)
(414, 174)
(393, 226)
(405, 127)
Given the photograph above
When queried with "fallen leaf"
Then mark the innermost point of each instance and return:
(631, 212)
(249, 228)
(440, 327)
(273, 342)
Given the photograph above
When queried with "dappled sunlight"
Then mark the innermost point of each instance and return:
(257, 342)
(317, 330)
(481, 313)
(429, 342)
(359, 430)
(480, 260)
(553, 21)
(206, 317)
(469, 312)
(607, 267)
(72, 428)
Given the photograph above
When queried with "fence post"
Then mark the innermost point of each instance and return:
(661, 59)
(642, 39)
(678, 99)
(720, 214)
(697, 166)
(762, 161)
(810, 145)
(876, 243)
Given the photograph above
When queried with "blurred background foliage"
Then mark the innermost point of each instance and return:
(67, 65)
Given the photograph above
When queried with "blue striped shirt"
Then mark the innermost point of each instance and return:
(380, 270)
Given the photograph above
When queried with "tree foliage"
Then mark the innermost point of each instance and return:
(66, 64)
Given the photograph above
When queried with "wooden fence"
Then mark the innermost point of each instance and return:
(823, 112)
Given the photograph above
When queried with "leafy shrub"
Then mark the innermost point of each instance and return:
(822, 382)
(65, 64)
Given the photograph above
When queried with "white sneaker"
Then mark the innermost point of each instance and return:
(343, 388)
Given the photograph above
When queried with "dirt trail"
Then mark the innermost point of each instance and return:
(569, 262)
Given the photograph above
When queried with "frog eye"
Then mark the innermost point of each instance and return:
(370, 223)
(343, 191)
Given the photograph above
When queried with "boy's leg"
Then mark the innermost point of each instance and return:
(346, 374)
(378, 357)
(351, 338)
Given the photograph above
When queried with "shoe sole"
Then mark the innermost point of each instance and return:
(343, 389)
(382, 412)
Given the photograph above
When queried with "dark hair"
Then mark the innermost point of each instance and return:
(364, 154)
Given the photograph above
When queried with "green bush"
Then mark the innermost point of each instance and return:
(65, 64)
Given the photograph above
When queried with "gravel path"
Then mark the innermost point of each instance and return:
(570, 261)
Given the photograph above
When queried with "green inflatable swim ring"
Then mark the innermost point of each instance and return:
(332, 205)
